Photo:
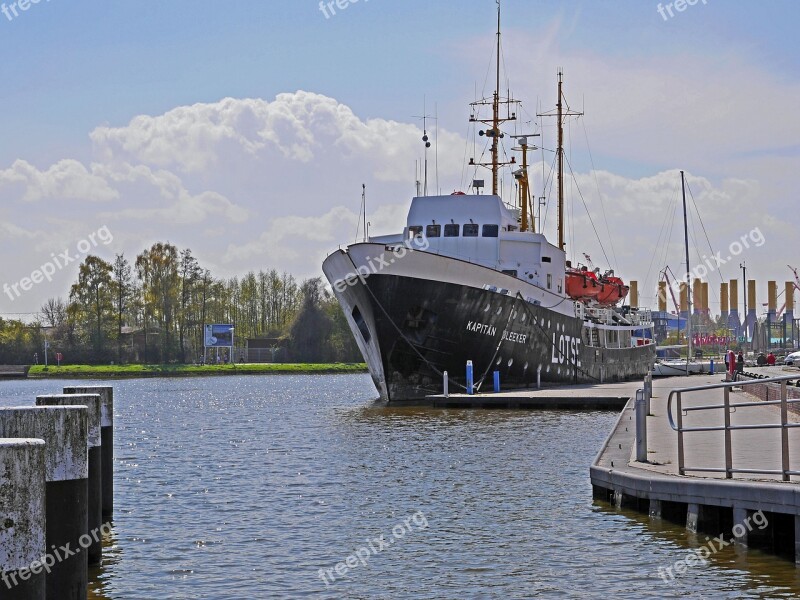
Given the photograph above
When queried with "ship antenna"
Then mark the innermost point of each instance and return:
(427, 143)
(362, 213)
(364, 208)
(436, 146)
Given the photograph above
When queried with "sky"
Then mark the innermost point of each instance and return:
(245, 130)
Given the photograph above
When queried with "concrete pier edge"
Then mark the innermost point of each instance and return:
(93, 402)
(106, 437)
(624, 484)
(64, 430)
(22, 518)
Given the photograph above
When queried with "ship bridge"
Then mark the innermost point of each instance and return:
(482, 230)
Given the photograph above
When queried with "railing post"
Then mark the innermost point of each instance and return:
(728, 445)
(641, 426)
(679, 408)
(784, 433)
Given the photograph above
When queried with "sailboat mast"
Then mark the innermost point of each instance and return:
(496, 112)
(688, 273)
(560, 116)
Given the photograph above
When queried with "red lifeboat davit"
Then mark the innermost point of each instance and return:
(582, 284)
(614, 289)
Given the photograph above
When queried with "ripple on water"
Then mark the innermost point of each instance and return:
(244, 487)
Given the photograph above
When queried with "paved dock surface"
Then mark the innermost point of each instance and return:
(756, 449)
(616, 471)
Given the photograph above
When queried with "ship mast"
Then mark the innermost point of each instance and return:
(496, 109)
(560, 114)
(495, 121)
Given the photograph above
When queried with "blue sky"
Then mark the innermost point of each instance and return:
(729, 71)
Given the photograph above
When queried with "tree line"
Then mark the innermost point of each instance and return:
(153, 309)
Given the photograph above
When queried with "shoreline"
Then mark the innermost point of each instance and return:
(152, 371)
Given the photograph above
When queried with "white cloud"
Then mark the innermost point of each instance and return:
(299, 128)
(66, 180)
(250, 183)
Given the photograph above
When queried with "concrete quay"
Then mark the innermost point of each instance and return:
(757, 483)
(606, 396)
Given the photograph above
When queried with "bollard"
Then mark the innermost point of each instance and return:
(497, 381)
(22, 519)
(470, 383)
(641, 426)
(711, 367)
(66, 471)
(92, 402)
(106, 439)
(446, 385)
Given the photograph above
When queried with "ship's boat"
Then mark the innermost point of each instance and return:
(614, 289)
(581, 283)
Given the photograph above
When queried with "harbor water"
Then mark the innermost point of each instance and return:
(300, 487)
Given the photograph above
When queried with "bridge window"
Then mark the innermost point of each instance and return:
(470, 230)
(549, 281)
(414, 231)
(451, 230)
(433, 231)
(490, 230)
(546, 259)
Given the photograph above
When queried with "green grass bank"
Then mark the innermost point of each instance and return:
(128, 371)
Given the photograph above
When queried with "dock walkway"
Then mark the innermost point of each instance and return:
(707, 501)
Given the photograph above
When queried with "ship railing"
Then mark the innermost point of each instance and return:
(642, 316)
(603, 315)
(727, 407)
(580, 310)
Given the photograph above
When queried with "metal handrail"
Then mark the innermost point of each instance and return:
(726, 406)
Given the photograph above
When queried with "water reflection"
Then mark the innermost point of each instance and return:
(761, 573)
(100, 576)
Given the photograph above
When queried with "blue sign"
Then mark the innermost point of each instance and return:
(218, 336)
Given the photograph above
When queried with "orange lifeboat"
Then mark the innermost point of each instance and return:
(582, 284)
(614, 289)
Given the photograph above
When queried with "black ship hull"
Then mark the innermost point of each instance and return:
(412, 330)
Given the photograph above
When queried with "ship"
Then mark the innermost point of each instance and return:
(469, 293)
